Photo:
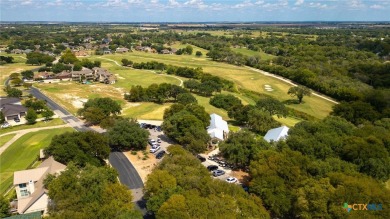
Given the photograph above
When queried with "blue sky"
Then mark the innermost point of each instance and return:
(194, 10)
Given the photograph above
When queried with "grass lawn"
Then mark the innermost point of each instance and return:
(5, 139)
(23, 152)
(18, 66)
(52, 122)
(145, 110)
(242, 76)
(263, 55)
(288, 121)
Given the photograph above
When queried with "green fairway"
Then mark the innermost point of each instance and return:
(145, 110)
(4, 139)
(242, 76)
(23, 152)
(52, 122)
(263, 55)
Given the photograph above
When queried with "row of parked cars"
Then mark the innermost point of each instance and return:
(221, 162)
(150, 126)
(217, 172)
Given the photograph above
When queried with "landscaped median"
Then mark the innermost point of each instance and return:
(23, 153)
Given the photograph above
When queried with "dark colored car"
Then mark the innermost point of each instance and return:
(160, 154)
(17, 120)
(212, 167)
(202, 159)
(158, 128)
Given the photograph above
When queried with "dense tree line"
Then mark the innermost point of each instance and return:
(37, 58)
(6, 60)
(171, 193)
(158, 93)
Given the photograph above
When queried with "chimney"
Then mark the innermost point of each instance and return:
(31, 187)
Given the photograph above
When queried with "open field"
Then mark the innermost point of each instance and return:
(23, 152)
(52, 122)
(5, 139)
(243, 77)
(247, 52)
(18, 66)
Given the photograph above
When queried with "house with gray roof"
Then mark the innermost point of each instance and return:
(276, 134)
(30, 191)
(12, 108)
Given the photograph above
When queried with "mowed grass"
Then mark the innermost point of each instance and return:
(23, 152)
(145, 110)
(247, 52)
(242, 76)
(4, 139)
(7, 69)
(52, 122)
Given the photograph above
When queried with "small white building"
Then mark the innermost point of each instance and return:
(276, 134)
(218, 128)
(30, 191)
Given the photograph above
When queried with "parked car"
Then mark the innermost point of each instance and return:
(231, 180)
(160, 154)
(155, 149)
(158, 128)
(212, 167)
(17, 120)
(202, 159)
(151, 142)
(211, 158)
(5, 125)
(218, 173)
(158, 140)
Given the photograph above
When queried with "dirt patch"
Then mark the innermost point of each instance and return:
(242, 176)
(143, 167)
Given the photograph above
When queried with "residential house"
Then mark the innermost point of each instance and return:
(104, 76)
(80, 53)
(173, 50)
(121, 49)
(12, 108)
(30, 191)
(139, 48)
(43, 75)
(64, 75)
(83, 75)
(27, 51)
(276, 134)
(218, 129)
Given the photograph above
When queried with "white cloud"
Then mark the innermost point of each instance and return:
(55, 3)
(135, 1)
(318, 5)
(299, 2)
(154, 1)
(377, 6)
(196, 4)
(259, 2)
(356, 4)
(173, 3)
(243, 4)
(26, 2)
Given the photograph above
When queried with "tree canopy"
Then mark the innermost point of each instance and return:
(126, 135)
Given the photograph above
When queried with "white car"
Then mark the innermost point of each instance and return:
(154, 149)
(231, 180)
(5, 125)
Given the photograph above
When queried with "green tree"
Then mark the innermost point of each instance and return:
(13, 92)
(80, 148)
(94, 115)
(68, 57)
(31, 116)
(14, 75)
(192, 84)
(225, 101)
(356, 111)
(260, 121)
(4, 207)
(189, 49)
(2, 118)
(80, 193)
(27, 85)
(273, 106)
(198, 53)
(186, 98)
(107, 105)
(128, 135)
(47, 114)
(16, 82)
(299, 92)
(174, 207)
(28, 74)
(241, 147)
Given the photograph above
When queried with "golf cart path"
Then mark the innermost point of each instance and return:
(116, 63)
(289, 82)
(20, 133)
